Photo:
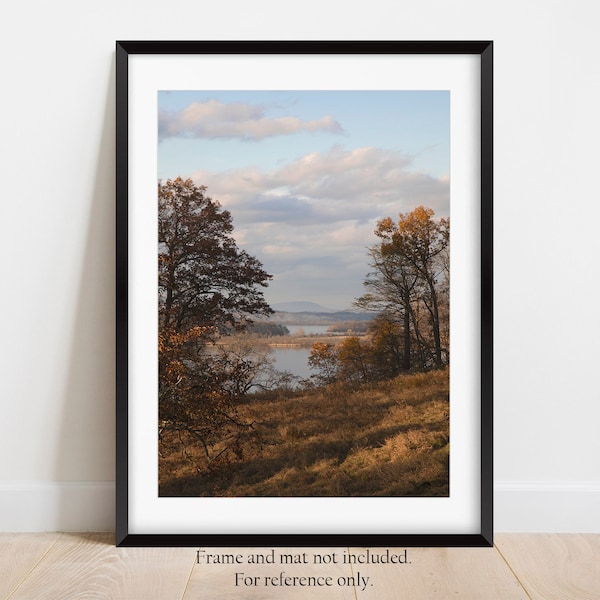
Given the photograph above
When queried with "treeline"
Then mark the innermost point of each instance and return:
(349, 327)
(408, 289)
(263, 329)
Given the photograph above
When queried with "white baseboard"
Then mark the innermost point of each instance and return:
(28, 506)
(547, 507)
(538, 506)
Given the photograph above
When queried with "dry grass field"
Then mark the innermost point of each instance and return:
(384, 439)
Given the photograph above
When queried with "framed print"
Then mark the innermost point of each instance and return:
(304, 239)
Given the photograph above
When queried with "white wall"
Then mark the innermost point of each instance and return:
(56, 151)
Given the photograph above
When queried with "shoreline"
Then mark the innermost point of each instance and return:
(291, 341)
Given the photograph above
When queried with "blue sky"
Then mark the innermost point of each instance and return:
(307, 175)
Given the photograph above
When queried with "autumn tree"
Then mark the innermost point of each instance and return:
(203, 277)
(409, 285)
(391, 288)
(355, 360)
(323, 359)
(207, 287)
(386, 341)
(424, 242)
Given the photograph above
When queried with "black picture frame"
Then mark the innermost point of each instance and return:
(125, 50)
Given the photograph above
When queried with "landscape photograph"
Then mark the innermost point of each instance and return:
(303, 293)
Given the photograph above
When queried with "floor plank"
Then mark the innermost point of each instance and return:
(554, 566)
(90, 566)
(465, 573)
(56, 566)
(19, 554)
(218, 581)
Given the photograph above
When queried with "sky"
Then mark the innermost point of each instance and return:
(306, 175)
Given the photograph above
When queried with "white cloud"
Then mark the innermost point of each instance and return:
(214, 119)
(338, 185)
(311, 221)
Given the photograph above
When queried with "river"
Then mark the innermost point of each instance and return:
(293, 360)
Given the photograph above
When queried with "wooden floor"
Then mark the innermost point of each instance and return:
(64, 566)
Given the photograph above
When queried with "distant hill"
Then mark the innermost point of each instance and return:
(298, 307)
(317, 318)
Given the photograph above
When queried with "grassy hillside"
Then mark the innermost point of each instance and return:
(385, 439)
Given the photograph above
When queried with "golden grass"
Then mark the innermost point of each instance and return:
(386, 439)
